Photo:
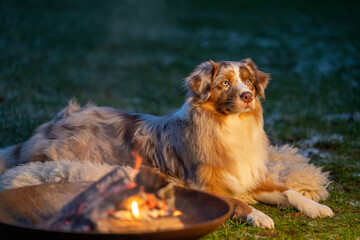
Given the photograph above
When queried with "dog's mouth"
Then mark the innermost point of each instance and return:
(247, 106)
(234, 107)
(240, 107)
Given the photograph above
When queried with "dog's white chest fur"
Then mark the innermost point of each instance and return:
(247, 146)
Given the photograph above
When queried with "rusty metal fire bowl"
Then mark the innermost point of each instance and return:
(22, 209)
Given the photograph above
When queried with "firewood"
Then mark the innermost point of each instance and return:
(108, 195)
(114, 182)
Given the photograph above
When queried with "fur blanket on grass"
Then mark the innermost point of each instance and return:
(286, 166)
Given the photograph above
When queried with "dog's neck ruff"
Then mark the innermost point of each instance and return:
(248, 144)
(237, 144)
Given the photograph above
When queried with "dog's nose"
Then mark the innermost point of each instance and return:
(247, 97)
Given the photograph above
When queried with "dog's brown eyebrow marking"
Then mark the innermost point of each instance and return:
(230, 76)
(244, 72)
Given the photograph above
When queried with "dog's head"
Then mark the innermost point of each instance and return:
(228, 87)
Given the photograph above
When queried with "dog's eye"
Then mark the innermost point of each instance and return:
(248, 81)
(226, 83)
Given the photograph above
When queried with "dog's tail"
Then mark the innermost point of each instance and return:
(19, 154)
(290, 168)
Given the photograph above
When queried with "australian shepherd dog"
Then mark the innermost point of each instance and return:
(215, 142)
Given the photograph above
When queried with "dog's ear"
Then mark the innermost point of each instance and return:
(200, 80)
(261, 78)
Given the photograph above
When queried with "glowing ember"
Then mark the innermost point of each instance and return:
(135, 210)
(177, 213)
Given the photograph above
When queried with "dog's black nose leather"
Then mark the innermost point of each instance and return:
(247, 97)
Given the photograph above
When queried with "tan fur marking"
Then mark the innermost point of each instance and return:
(37, 157)
(270, 187)
(211, 177)
(209, 108)
(244, 73)
(216, 67)
(240, 209)
(229, 75)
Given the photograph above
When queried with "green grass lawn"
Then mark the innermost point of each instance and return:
(134, 55)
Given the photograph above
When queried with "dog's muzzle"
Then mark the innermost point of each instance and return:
(247, 97)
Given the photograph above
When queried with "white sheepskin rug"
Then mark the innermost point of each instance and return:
(286, 167)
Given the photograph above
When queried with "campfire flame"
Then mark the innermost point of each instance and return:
(135, 210)
(152, 207)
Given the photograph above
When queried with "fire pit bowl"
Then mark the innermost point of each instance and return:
(22, 209)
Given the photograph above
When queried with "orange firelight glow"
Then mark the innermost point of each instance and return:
(177, 213)
(137, 164)
(135, 210)
(137, 160)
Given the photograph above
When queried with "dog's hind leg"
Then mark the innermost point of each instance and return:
(288, 167)
(32, 150)
(272, 193)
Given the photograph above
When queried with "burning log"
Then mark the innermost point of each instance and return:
(123, 199)
(142, 213)
(70, 215)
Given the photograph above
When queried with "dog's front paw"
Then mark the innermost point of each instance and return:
(309, 207)
(317, 210)
(259, 219)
